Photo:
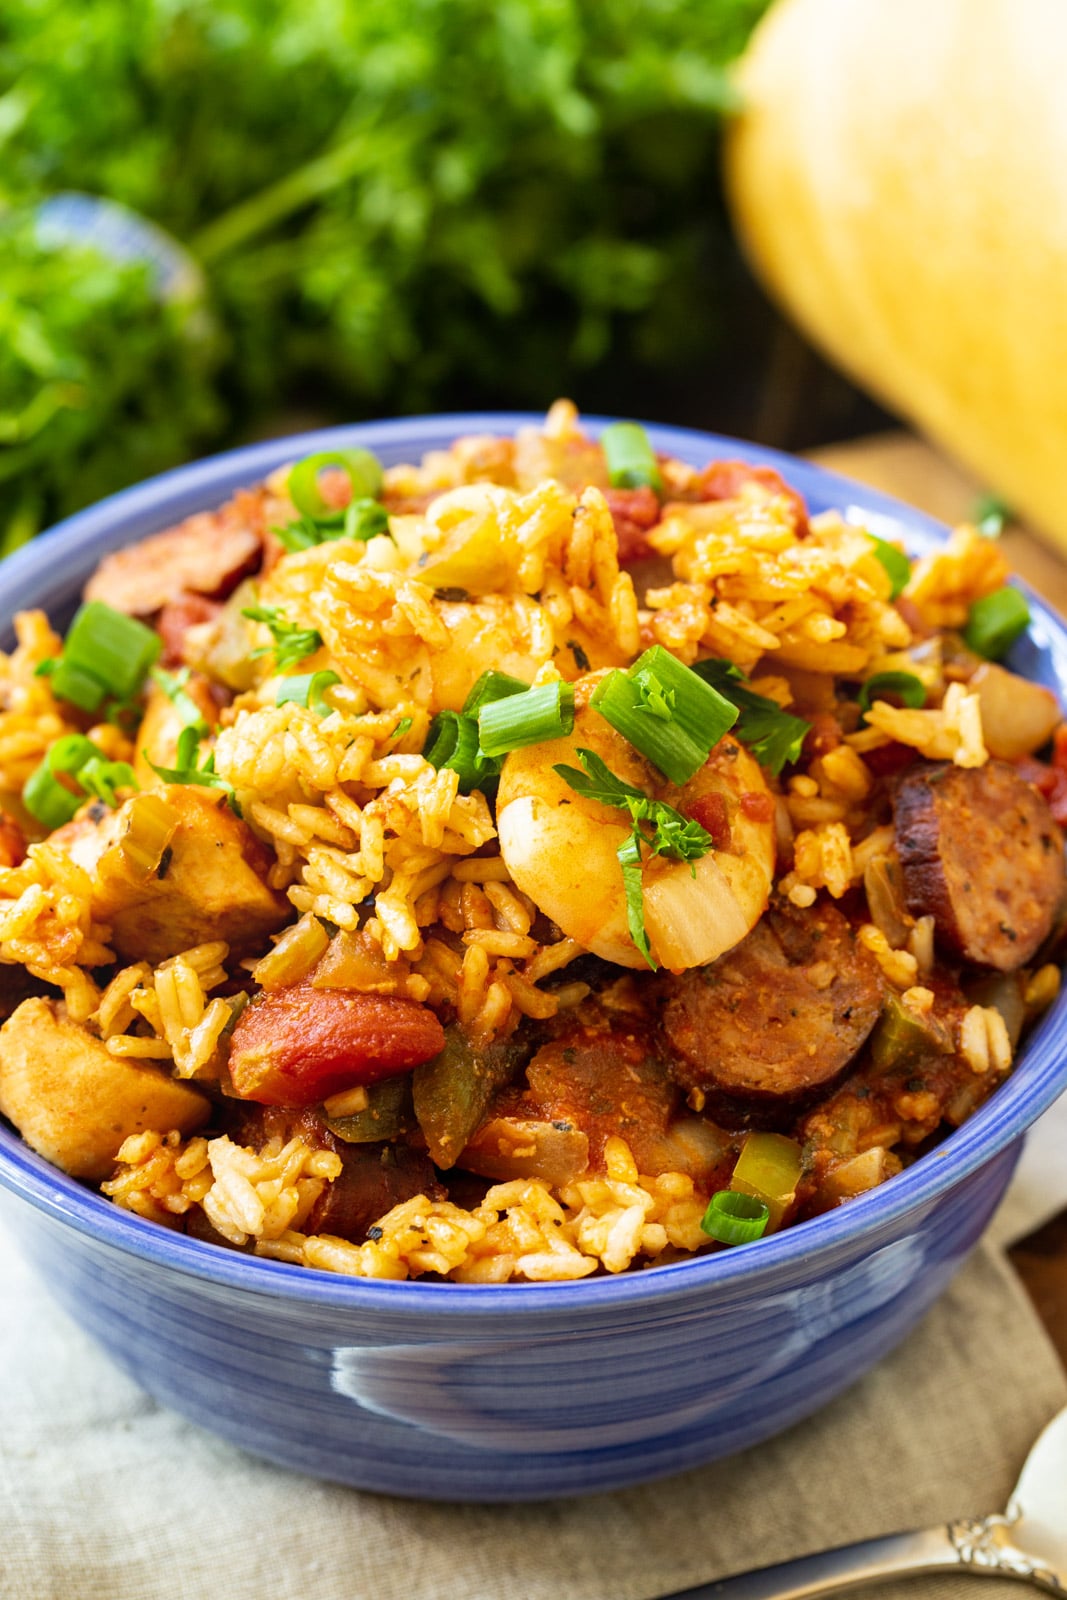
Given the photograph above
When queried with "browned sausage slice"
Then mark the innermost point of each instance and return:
(981, 855)
(207, 554)
(779, 1017)
(590, 1084)
(373, 1179)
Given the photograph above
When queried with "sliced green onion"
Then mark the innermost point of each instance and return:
(48, 800)
(365, 519)
(115, 649)
(442, 738)
(630, 459)
(100, 778)
(308, 690)
(990, 516)
(532, 717)
(51, 802)
(402, 727)
(466, 759)
(774, 736)
(492, 685)
(78, 687)
(364, 476)
(905, 685)
(70, 753)
(453, 743)
(733, 1218)
(995, 622)
(894, 561)
(666, 711)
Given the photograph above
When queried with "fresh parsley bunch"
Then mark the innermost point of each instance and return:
(100, 383)
(395, 204)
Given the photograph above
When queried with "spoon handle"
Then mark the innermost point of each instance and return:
(974, 1547)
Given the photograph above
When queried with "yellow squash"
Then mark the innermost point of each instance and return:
(899, 180)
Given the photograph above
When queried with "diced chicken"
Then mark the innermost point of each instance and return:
(211, 882)
(73, 1102)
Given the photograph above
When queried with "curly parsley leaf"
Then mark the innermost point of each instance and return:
(292, 643)
(673, 835)
(774, 736)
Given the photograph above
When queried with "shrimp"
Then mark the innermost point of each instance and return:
(560, 848)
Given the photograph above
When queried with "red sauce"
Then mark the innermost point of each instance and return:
(710, 810)
(724, 480)
(757, 805)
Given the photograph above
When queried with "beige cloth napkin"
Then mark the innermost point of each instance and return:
(104, 1496)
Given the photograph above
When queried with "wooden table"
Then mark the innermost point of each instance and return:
(906, 467)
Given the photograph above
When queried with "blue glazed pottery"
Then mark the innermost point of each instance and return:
(497, 1392)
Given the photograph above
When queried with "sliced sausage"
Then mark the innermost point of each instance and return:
(778, 1018)
(607, 1082)
(593, 1083)
(296, 1046)
(207, 554)
(981, 854)
(373, 1179)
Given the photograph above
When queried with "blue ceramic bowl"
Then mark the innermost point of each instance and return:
(484, 1392)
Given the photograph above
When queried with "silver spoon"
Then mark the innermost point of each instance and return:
(1028, 1542)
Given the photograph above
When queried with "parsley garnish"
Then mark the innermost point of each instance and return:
(672, 834)
(773, 735)
(190, 769)
(292, 643)
(174, 686)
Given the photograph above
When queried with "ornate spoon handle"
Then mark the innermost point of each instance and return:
(979, 1547)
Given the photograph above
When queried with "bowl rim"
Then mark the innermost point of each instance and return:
(1002, 1120)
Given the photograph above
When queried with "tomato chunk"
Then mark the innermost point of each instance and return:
(723, 480)
(634, 512)
(296, 1046)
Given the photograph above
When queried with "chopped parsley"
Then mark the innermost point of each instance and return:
(672, 834)
(292, 643)
(773, 735)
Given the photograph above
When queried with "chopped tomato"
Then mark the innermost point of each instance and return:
(711, 812)
(297, 1046)
(724, 480)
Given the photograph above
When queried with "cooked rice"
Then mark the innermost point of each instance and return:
(521, 1230)
(353, 812)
